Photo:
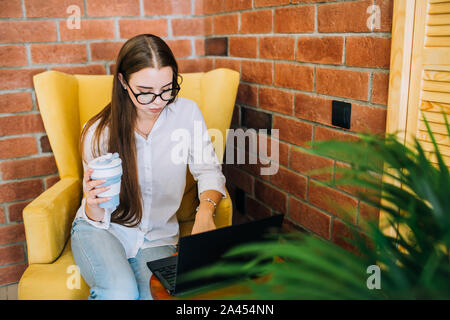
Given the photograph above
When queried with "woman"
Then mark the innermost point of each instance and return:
(111, 246)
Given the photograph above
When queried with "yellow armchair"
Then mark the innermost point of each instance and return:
(66, 102)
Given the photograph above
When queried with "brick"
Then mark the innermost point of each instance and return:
(343, 17)
(241, 179)
(380, 88)
(368, 119)
(293, 131)
(58, 53)
(228, 63)
(18, 78)
(13, 56)
(225, 24)
(256, 119)
(277, 48)
(342, 83)
(234, 5)
(276, 100)
(333, 201)
(294, 76)
(270, 196)
(353, 189)
(326, 50)
(99, 8)
(259, 21)
(18, 147)
(12, 254)
(310, 218)
(27, 31)
(17, 169)
(21, 124)
(16, 211)
(12, 233)
(89, 30)
(45, 144)
(89, 69)
(51, 8)
(236, 118)
(294, 19)
(191, 26)
(243, 47)
(256, 209)
(11, 9)
(386, 11)
(304, 162)
(15, 102)
(21, 190)
(208, 6)
(269, 3)
(253, 168)
(313, 108)
(282, 157)
(216, 47)
(257, 72)
(323, 133)
(368, 214)
(105, 50)
(12, 273)
(195, 65)
(2, 216)
(290, 181)
(247, 94)
(199, 45)
(180, 48)
(168, 7)
(131, 28)
(342, 234)
(368, 52)
(51, 181)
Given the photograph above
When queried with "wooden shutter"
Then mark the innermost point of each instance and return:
(429, 92)
(419, 80)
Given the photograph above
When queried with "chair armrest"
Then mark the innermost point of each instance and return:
(48, 220)
(224, 212)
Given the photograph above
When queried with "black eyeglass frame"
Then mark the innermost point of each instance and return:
(136, 96)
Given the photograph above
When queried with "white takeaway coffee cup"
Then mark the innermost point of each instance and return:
(108, 167)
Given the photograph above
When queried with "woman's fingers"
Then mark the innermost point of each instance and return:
(97, 191)
(95, 201)
(93, 183)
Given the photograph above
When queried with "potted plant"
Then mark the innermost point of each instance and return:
(411, 265)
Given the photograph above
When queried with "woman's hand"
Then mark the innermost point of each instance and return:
(93, 210)
(203, 222)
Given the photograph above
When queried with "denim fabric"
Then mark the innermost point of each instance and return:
(105, 268)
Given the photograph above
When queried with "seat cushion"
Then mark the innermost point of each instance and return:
(53, 281)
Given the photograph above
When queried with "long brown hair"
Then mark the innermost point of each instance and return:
(141, 51)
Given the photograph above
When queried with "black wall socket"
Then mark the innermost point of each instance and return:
(341, 114)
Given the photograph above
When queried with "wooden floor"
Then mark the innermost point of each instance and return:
(8, 292)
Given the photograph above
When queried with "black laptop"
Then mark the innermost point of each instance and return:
(207, 248)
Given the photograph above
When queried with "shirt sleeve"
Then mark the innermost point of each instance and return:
(203, 163)
(88, 156)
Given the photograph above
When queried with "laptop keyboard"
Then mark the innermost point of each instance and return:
(169, 273)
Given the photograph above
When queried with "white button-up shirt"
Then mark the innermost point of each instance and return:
(162, 159)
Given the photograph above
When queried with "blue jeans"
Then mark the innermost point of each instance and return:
(105, 268)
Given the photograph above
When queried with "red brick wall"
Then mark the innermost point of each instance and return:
(294, 56)
(34, 37)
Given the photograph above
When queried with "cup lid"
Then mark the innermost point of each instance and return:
(109, 160)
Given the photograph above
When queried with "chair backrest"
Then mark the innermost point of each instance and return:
(67, 101)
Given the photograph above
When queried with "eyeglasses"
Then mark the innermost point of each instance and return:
(148, 97)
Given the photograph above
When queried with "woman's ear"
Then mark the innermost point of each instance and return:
(119, 75)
